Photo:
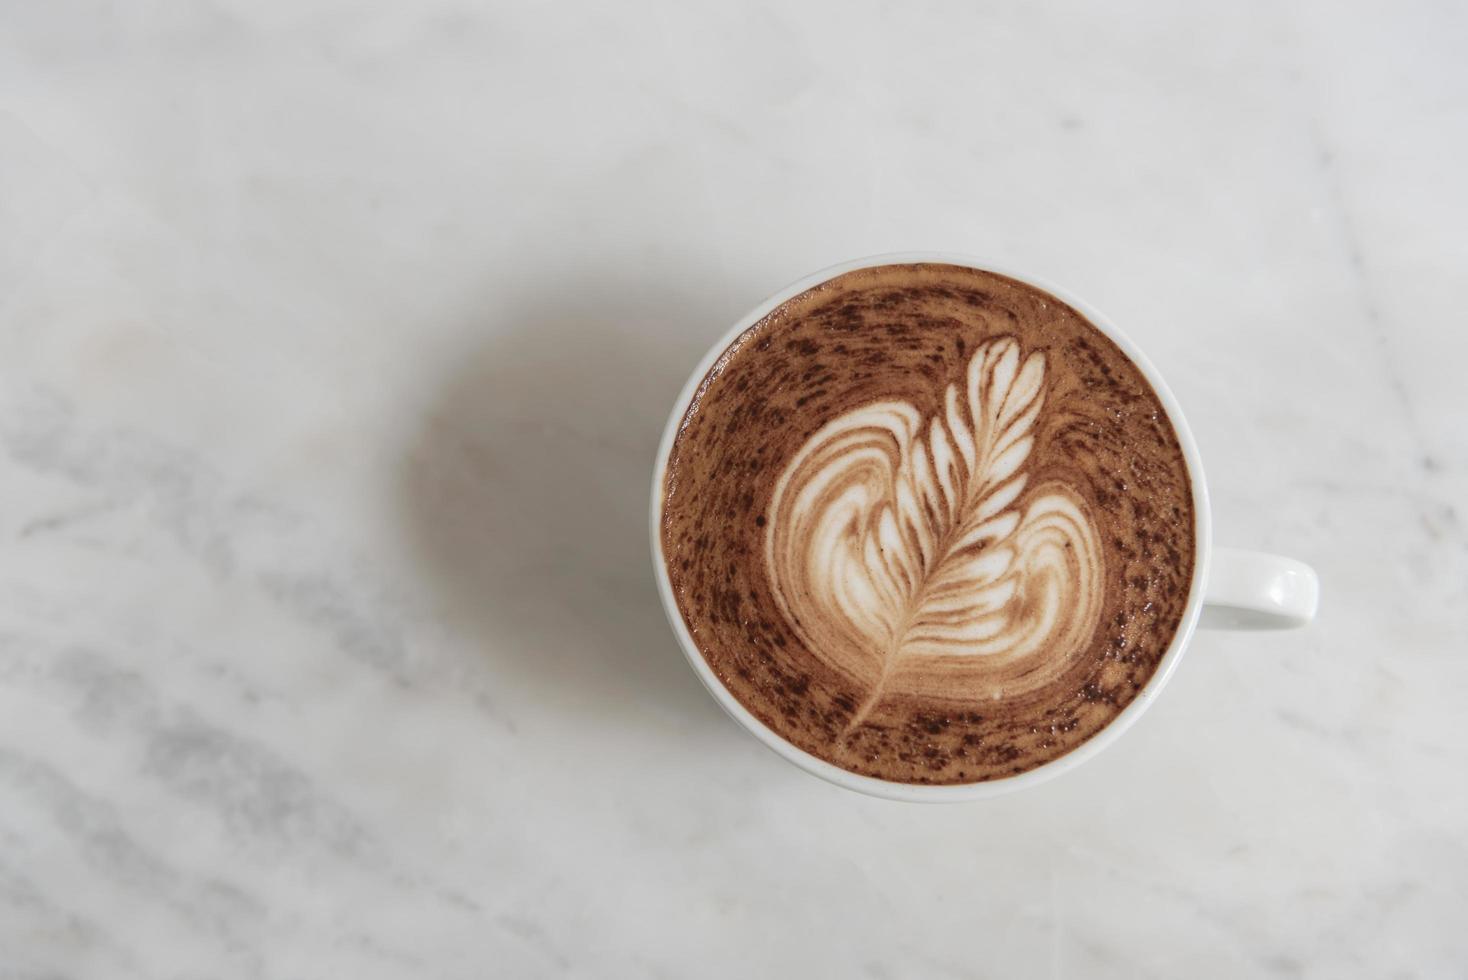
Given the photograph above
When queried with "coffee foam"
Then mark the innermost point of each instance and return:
(928, 524)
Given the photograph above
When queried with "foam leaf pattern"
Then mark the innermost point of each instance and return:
(899, 554)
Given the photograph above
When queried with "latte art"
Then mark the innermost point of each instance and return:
(899, 545)
(928, 523)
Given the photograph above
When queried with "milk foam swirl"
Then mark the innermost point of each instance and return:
(901, 552)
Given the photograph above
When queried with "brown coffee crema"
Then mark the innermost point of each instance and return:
(929, 524)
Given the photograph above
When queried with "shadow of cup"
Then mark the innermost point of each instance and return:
(525, 496)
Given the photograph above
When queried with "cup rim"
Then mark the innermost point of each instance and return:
(922, 792)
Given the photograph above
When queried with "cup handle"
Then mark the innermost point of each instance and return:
(1250, 590)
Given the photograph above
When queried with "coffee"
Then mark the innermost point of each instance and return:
(928, 524)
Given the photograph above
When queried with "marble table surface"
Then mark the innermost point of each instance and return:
(335, 341)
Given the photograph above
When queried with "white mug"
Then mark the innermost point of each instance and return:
(1230, 589)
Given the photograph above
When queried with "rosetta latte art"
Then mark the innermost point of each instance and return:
(905, 553)
(928, 524)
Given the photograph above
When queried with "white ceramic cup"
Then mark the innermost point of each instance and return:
(1231, 589)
